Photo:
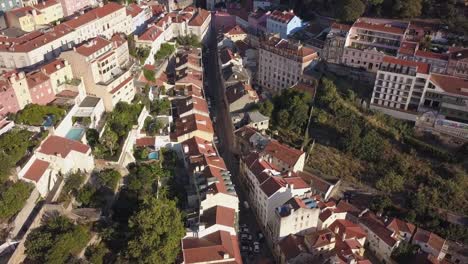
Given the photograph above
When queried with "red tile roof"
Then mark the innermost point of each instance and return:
(397, 225)
(376, 226)
(145, 141)
(342, 27)
(283, 152)
(133, 9)
(91, 46)
(432, 55)
(22, 11)
(195, 146)
(296, 182)
(53, 66)
(193, 123)
(211, 247)
(199, 18)
(93, 14)
(37, 169)
(122, 84)
(315, 181)
(292, 246)
(408, 48)
(320, 238)
(387, 28)
(283, 17)
(218, 215)
(346, 229)
(36, 78)
(46, 4)
(421, 67)
(150, 34)
(429, 238)
(272, 185)
(191, 103)
(236, 30)
(450, 84)
(59, 145)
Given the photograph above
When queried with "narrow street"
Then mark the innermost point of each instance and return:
(224, 129)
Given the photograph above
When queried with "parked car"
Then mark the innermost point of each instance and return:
(244, 248)
(256, 247)
(244, 230)
(246, 205)
(244, 237)
(250, 237)
(260, 236)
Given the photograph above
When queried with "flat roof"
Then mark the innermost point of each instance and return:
(90, 101)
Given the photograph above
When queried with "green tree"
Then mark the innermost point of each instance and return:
(13, 196)
(96, 253)
(266, 108)
(391, 182)
(156, 231)
(73, 183)
(68, 244)
(405, 252)
(86, 195)
(92, 137)
(411, 8)
(371, 147)
(109, 178)
(149, 75)
(110, 140)
(350, 10)
(34, 114)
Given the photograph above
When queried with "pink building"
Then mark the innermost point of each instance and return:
(40, 88)
(257, 21)
(8, 101)
(71, 6)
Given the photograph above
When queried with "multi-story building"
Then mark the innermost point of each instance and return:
(240, 97)
(105, 72)
(193, 125)
(37, 47)
(281, 63)
(399, 87)
(151, 38)
(458, 63)
(297, 216)
(199, 24)
(40, 88)
(103, 21)
(430, 243)
(369, 40)
(51, 11)
(335, 42)
(284, 23)
(438, 61)
(60, 72)
(71, 6)
(6, 5)
(25, 18)
(140, 15)
(403, 230)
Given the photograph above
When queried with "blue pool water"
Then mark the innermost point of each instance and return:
(49, 121)
(153, 155)
(75, 133)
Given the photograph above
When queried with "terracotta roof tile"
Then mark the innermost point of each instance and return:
(282, 152)
(150, 34)
(292, 246)
(199, 18)
(133, 9)
(192, 123)
(387, 28)
(283, 17)
(450, 84)
(196, 146)
(37, 169)
(59, 145)
(90, 47)
(432, 55)
(53, 66)
(346, 229)
(429, 238)
(145, 141)
(421, 67)
(376, 226)
(397, 225)
(218, 215)
(211, 247)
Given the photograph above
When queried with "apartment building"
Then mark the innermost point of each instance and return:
(445, 106)
(284, 23)
(283, 157)
(39, 46)
(381, 241)
(281, 63)
(71, 6)
(199, 24)
(430, 243)
(240, 97)
(6, 5)
(151, 38)
(399, 87)
(140, 15)
(236, 33)
(297, 216)
(103, 21)
(188, 62)
(190, 105)
(104, 72)
(403, 230)
(193, 125)
(458, 63)
(334, 43)
(40, 88)
(51, 11)
(25, 18)
(369, 40)
(60, 72)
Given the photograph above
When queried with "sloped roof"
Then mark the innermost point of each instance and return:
(211, 247)
(283, 152)
(59, 145)
(219, 215)
(37, 169)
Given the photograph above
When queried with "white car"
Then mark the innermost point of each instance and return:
(256, 247)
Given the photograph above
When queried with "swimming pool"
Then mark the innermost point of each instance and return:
(75, 133)
(153, 155)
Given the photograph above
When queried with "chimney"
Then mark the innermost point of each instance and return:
(226, 256)
(289, 173)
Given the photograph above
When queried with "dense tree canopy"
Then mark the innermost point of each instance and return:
(156, 232)
(34, 114)
(13, 197)
(350, 10)
(56, 241)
